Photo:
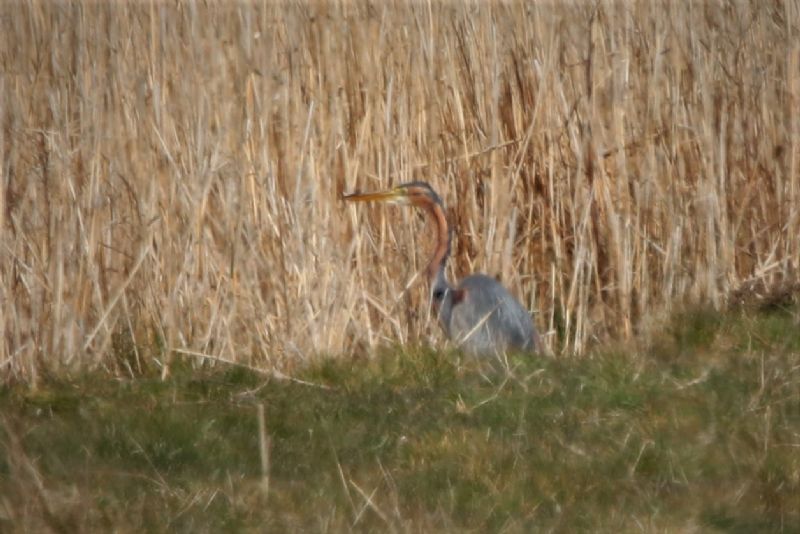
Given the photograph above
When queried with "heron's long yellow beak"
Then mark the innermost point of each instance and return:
(396, 195)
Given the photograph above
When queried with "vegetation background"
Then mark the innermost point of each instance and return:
(172, 171)
(174, 257)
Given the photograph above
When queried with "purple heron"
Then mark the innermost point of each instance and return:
(478, 314)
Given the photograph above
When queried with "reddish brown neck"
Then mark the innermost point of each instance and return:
(442, 250)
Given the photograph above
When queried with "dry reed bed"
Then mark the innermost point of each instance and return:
(170, 173)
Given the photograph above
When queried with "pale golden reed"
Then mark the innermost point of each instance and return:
(171, 173)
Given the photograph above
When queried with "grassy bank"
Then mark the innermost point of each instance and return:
(699, 430)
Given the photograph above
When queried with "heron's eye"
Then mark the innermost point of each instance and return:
(438, 294)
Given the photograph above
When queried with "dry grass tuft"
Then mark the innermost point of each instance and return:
(171, 173)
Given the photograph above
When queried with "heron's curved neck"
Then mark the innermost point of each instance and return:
(435, 268)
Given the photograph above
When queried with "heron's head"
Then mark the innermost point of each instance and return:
(412, 193)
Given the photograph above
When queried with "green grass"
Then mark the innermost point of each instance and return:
(701, 429)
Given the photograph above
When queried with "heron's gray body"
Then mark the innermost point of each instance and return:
(482, 317)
